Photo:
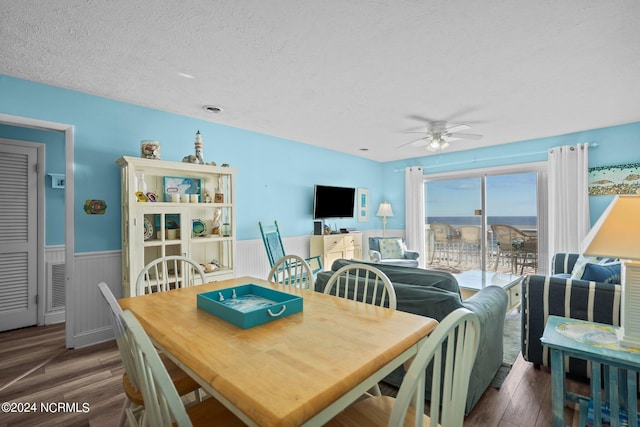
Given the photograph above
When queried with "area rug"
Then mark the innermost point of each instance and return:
(511, 347)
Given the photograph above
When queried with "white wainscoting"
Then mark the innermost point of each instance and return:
(92, 323)
(252, 256)
(90, 316)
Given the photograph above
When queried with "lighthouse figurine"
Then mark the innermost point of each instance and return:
(198, 145)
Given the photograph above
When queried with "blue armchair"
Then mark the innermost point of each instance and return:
(588, 298)
(391, 251)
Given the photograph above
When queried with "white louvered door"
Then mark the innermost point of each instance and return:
(18, 236)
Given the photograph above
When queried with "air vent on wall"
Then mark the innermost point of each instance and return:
(56, 291)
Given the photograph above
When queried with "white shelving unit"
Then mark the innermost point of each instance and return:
(152, 230)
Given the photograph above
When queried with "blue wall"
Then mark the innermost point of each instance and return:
(616, 145)
(54, 161)
(275, 176)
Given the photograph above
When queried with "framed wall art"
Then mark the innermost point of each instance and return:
(179, 185)
(612, 180)
(362, 204)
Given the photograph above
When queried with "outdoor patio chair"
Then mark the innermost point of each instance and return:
(515, 246)
(446, 241)
(470, 242)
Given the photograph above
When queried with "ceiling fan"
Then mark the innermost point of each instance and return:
(439, 134)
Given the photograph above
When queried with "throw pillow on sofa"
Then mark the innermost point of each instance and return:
(606, 273)
(583, 260)
(391, 248)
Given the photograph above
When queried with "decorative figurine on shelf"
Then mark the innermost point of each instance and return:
(198, 145)
(209, 268)
(150, 149)
(198, 158)
(216, 221)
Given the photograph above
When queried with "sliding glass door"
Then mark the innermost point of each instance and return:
(512, 222)
(454, 221)
(486, 222)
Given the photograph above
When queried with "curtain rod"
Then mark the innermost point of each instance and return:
(590, 145)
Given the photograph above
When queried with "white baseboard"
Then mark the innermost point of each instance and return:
(95, 336)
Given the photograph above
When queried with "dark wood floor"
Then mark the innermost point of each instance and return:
(35, 368)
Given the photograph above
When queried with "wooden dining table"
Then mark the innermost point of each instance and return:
(298, 370)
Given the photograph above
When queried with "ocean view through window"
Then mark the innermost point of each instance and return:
(466, 219)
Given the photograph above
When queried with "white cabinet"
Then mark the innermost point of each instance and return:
(335, 246)
(202, 229)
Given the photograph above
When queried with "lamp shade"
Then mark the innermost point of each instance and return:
(385, 209)
(617, 232)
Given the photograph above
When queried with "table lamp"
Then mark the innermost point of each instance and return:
(384, 210)
(617, 235)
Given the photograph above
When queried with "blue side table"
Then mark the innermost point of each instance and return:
(597, 343)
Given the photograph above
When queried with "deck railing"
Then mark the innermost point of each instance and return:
(464, 256)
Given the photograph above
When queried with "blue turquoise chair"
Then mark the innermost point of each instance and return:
(275, 249)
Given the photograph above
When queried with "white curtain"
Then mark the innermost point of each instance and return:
(568, 198)
(414, 211)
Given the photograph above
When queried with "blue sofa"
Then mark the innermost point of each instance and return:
(435, 294)
(560, 295)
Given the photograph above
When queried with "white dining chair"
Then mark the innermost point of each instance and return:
(133, 408)
(169, 272)
(292, 270)
(452, 364)
(163, 406)
(364, 283)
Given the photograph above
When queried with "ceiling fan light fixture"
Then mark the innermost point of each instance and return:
(439, 134)
(437, 145)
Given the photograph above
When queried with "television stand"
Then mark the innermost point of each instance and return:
(336, 246)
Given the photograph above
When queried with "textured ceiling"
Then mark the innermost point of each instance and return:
(344, 75)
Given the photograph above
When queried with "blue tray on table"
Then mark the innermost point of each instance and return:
(249, 305)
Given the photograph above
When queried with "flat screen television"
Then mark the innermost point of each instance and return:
(333, 202)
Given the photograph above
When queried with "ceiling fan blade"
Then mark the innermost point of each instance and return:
(462, 113)
(458, 128)
(449, 137)
(464, 136)
(420, 118)
(415, 142)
